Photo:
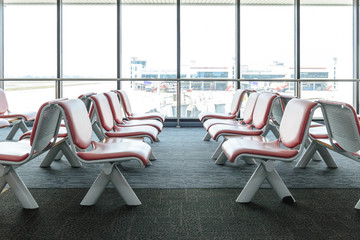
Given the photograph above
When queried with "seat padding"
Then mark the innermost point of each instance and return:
(234, 147)
(220, 130)
(133, 131)
(4, 123)
(14, 151)
(318, 132)
(124, 149)
(205, 115)
(149, 122)
(208, 123)
(154, 115)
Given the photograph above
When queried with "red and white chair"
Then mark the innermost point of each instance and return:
(16, 120)
(247, 117)
(108, 128)
(110, 153)
(293, 134)
(258, 126)
(133, 116)
(117, 111)
(14, 154)
(235, 107)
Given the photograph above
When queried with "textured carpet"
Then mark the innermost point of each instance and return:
(183, 161)
(183, 214)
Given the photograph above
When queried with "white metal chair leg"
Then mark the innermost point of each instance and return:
(306, 157)
(218, 150)
(328, 159)
(96, 190)
(357, 206)
(249, 160)
(317, 157)
(50, 156)
(2, 183)
(279, 186)
(207, 137)
(124, 188)
(69, 154)
(152, 157)
(20, 190)
(18, 125)
(59, 156)
(157, 139)
(221, 159)
(253, 185)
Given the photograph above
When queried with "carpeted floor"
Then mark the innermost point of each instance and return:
(185, 196)
(183, 214)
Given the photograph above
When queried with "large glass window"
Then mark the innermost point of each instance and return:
(326, 49)
(89, 45)
(267, 44)
(29, 52)
(149, 51)
(207, 51)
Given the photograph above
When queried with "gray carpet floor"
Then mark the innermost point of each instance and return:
(184, 161)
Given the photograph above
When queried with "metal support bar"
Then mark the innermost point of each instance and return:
(178, 63)
(118, 41)
(297, 47)
(237, 43)
(356, 59)
(58, 84)
(2, 43)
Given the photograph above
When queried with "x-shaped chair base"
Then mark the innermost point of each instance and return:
(60, 148)
(16, 125)
(110, 173)
(9, 176)
(265, 170)
(312, 149)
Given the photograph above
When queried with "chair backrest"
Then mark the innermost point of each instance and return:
(342, 124)
(279, 108)
(86, 99)
(3, 102)
(125, 102)
(249, 107)
(103, 110)
(115, 106)
(77, 122)
(295, 122)
(262, 109)
(46, 125)
(236, 101)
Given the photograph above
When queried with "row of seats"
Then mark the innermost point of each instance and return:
(297, 136)
(65, 127)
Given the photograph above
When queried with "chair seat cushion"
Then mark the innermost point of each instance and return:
(133, 132)
(149, 122)
(4, 123)
(154, 115)
(222, 130)
(318, 132)
(14, 151)
(28, 116)
(208, 123)
(315, 124)
(123, 150)
(205, 115)
(235, 147)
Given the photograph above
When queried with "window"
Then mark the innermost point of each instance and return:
(326, 49)
(29, 52)
(267, 44)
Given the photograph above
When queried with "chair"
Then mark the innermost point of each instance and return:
(258, 127)
(16, 120)
(293, 133)
(111, 153)
(247, 118)
(14, 154)
(235, 107)
(132, 116)
(105, 120)
(119, 117)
